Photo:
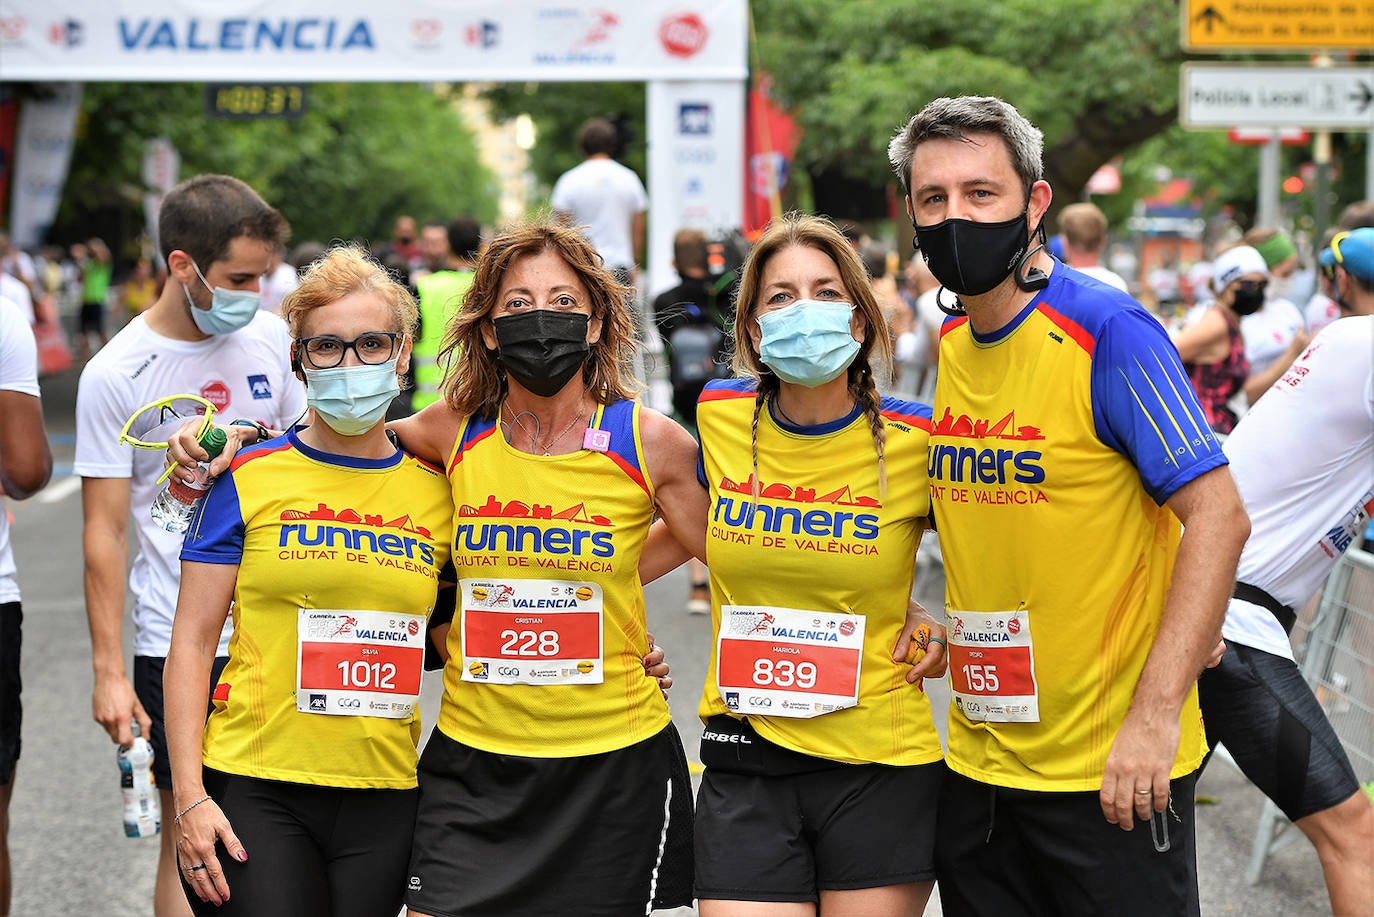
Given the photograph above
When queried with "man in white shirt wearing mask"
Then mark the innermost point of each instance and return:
(206, 336)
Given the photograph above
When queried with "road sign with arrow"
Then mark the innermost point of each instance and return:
(1277, 25)
(1245, 95)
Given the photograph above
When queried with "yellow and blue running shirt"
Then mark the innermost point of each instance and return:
(820, 539)
(1057, 441)
(573, 524)
(313, 530)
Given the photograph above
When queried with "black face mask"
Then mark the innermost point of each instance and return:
(542, 349)
(1247, 301)
(971, 258)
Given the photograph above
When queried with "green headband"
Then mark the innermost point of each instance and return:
(1276, 248)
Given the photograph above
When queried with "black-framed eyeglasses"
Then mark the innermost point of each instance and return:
(325, 351)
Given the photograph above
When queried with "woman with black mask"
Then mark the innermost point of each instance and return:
(1212, 348)
(555, 778)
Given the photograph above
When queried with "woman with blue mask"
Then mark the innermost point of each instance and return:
(816, 728)
(329, 541)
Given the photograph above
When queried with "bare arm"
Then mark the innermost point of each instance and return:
(682, 502)
(1260, 382)
(1215, 529)
(105, 545)
(637, 223)
(202, 606)
(430, 434)
(25, 460)
(1204, 341)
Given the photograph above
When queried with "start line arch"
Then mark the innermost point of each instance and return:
(691, 54)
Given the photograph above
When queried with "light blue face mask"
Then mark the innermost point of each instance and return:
(809, 342)
(229, 310)
(352, 399)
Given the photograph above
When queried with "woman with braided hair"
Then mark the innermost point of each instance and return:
(817, 731)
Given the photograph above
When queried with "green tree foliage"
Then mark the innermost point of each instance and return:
(1097, 78)
(362, 154)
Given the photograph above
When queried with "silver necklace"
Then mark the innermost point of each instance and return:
(518, 421)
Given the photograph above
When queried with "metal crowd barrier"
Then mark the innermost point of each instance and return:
(1335, 651)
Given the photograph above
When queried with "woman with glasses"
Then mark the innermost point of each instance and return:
(329, 542)
(1212, 348)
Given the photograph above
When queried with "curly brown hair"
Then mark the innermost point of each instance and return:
(474, 380)
(796, 229)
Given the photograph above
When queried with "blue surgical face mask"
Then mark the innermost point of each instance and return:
(229, 310)
(809, 342)
(352, 399)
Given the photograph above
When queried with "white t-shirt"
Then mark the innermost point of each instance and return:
(1303, 459)
(1099, 273)
(247, 374)
(603, 196)
(14, 289)
(1321, 311)
(275, 285)
(1269, 331)
(18, 373)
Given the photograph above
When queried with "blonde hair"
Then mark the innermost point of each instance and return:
(342, 270)
(819, 233)
(476, 383)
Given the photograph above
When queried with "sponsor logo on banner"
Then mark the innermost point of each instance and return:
(426, 33)
(68, 33)
(485, 34)
(317, 702)
(694, 119)
(732, 699)
(12, 29)
(766, 169)
(245, 33)
(217, 393)
(260, 387)
(683, 34)
(590, 30)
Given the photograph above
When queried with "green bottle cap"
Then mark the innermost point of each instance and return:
(213, 441)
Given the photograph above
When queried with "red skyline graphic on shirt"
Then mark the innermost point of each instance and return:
(323, 513)
(968, 428)
(797, 494)
(518, 509)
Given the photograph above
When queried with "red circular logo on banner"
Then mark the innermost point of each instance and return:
(1014, 626)
(413, 627)
(217, 393)
(682, 34)
(846, 627)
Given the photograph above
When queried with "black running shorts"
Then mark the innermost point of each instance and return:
(605, 835)
(1019, 853)
(1261, 708)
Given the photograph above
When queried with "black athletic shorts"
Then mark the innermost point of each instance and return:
(606, 835)
(786, 838)
(11, 685)
(1019, 853)
(1261, 708)
(148, 689)
(92, 317)
(313, 851)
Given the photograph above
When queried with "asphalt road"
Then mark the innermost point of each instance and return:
(70, 856)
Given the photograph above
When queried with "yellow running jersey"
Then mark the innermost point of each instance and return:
(319, 536)
(545, 654)
(819, 540)
(1057, 441)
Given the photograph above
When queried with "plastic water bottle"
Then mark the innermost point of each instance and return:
(174, 505)
(142, 805)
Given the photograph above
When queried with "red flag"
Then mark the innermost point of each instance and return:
(9, 124)
(771, 137)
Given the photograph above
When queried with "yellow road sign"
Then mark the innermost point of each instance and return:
(1277, 25)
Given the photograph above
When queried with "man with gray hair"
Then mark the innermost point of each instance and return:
(1068, 437)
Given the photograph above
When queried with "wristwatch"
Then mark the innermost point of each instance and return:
(264, 434)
